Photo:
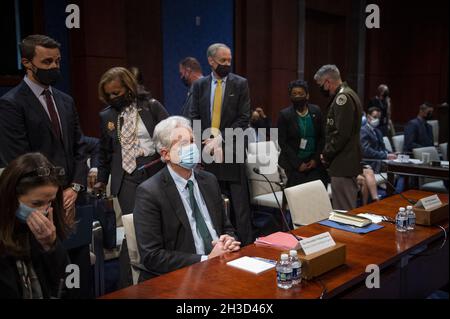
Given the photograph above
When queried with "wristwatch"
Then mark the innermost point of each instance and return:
(77, 187)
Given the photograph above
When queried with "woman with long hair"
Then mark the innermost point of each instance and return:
(32, 258)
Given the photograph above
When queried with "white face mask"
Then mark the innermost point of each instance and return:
(374, 122)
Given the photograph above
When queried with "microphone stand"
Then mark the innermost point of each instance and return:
(283, 217)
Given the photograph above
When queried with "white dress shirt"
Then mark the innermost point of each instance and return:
(38, 91)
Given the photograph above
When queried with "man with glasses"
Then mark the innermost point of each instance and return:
(221, 100)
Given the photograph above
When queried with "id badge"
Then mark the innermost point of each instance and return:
(303, 143)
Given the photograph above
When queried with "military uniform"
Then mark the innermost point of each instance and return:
(342, 149)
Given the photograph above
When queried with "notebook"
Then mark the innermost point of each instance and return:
(253, 265)
(279, 240)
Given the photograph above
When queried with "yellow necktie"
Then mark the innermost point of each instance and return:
(217, 107)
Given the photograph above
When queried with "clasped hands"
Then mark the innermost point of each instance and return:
(307, 166)
(225, 244)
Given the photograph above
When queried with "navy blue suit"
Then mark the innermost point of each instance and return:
(25, 127)
(418, 133)
(372, 146)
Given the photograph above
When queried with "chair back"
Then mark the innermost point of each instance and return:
(308, 203)
(399, 141)
(133, 251)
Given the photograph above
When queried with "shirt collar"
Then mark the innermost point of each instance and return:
(37, 89)
(224, 80)
(180, 182)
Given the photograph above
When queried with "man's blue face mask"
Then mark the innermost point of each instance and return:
(189, 156)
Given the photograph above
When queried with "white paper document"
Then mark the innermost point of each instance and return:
(251, 264)
(376, 219)
(316, 243)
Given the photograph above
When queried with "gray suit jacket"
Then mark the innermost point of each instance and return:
(163, 232)
(235, 114)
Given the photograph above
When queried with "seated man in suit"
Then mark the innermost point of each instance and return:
(372, 143)
(179, 215)
(418, 133)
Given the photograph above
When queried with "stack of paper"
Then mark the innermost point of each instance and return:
(279, 240)
(253, 265)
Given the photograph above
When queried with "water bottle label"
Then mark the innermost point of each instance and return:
(294, 273)
(283, 276)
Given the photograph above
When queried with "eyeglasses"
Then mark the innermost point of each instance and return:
(46, 171)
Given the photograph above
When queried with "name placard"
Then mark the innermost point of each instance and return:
(316, 243)
(429, 202)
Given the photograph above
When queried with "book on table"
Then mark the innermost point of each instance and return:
(348, 219)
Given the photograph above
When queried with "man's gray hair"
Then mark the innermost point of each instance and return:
(162, 135)
(212, 50)
(329, 70)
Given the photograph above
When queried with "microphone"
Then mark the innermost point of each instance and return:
(257, 171)
(149, 164)
(412, 202)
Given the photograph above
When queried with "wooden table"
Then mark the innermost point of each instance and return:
(407, 169)
(386, 248)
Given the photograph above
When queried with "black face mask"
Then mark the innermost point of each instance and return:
(386, 94)
(47, 76)
(299, 103)
(185, 81)
(429, 117)
(324, 92)
(223, 70)
(120, 102)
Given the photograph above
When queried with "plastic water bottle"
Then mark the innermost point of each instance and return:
(296, 267)
(401, 220)
(411, 218)
(284, 272)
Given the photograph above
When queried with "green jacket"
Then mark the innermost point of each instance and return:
(342, 149)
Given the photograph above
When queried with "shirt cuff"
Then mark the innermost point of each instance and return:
(204, 257)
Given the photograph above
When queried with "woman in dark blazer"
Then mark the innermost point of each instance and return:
(127, 151)
(301, 138)
(32, 225)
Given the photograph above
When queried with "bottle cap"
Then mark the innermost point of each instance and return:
(293, 252)
(402, 209)
(409, 207)
(284, 256)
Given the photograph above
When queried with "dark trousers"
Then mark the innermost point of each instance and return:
(240, 212)
(296, 178)
(130, 182)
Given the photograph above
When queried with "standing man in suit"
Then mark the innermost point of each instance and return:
(301, 137)
(36, 117)
(342, 151)
(179, 215)
(221, 100)
(190, 71)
